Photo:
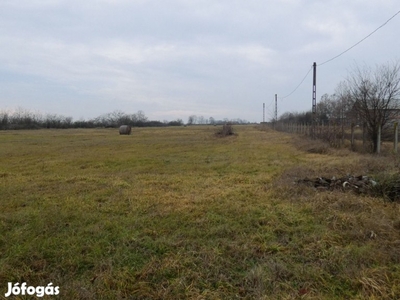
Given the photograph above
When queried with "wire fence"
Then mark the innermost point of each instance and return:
(344, 134)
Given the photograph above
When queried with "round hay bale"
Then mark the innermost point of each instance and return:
(125, 129)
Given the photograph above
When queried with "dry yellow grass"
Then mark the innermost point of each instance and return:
(177, 213)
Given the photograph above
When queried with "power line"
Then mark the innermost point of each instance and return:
(360, 40)
(267, 108)
(340, 54)
(304, 78)
(269, 105)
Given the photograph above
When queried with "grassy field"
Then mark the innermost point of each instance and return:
(178, 213)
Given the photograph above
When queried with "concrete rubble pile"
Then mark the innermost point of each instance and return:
(359, 184)
(388, 186)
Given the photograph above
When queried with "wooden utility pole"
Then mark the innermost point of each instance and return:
(276, 107)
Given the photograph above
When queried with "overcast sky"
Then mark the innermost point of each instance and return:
(172, 59)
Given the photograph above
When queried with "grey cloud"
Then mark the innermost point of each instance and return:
(177, 57)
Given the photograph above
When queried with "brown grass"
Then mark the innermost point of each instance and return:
(362, 240)
(176, 213)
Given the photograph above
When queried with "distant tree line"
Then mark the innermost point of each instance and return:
(200, 120)
(335, 108)
(25, 119)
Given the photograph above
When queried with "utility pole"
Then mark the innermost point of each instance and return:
(276, 108)
(314, 100)
(263, 112)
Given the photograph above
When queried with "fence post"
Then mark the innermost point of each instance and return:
(342, 137)
(378, 146)
(364, 134)
(323, 130)
(396, 136)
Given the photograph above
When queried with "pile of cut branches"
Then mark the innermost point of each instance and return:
(387, 186)
(360, 184)
(226, 130)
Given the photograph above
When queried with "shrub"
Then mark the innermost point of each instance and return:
(226, 130)
(388, 186)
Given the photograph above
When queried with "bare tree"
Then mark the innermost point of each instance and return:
(141, 116)
(200, 120)
(375, 96)
(192, 120)
(4, 120)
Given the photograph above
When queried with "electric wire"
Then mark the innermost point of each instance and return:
(267, 109)
(269, 105)
(304, 78)
(359, 42)
(340, 54)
